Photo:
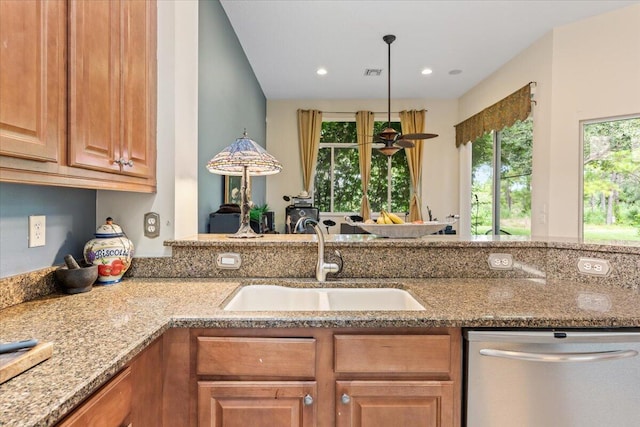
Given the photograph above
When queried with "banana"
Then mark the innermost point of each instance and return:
(387, 220)
(395, 218)
(390, 218)
(380, 219)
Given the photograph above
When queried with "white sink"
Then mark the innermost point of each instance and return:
(282, 298)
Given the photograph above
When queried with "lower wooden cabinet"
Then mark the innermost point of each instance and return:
(313, 377)
(109, 407)
(132, 398)
(308, 377)
(417, 390)
(256, 403)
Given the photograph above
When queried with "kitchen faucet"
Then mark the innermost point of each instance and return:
(322, 268)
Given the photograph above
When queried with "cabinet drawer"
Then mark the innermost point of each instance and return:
(257, 357)
(419, 354)
(109, 406)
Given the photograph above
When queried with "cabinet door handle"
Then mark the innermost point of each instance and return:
(345, 398)
(123, 162)
(307, 400)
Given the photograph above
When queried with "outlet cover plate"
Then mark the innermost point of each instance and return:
(594, 266)
(500, 261)
(151, 225)
(37, 230)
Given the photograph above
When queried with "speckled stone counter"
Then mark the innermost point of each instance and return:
(95, 334)
(294, 255)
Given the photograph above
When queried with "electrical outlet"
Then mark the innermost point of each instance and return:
(500, 261)
(229, 260)
(594, 266)
(37, 230)
(151, 224)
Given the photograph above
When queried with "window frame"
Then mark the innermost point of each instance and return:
(333, 145)
(582, 124)
(496, 180)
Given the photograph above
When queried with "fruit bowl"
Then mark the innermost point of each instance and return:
(403, 231)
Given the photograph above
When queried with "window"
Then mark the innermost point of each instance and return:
(611, 179)
(337, 185)
(501, 202)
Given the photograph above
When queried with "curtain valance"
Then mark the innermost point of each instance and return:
(503, 113)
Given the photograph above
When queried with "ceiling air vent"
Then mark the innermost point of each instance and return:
(372, 72)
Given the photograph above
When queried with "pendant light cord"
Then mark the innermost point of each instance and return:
(389, 41)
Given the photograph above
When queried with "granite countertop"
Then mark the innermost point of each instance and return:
(96, 333)
(436, 240)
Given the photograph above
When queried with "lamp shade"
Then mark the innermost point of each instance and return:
(244, 153)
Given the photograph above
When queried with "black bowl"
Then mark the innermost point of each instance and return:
(76, 280)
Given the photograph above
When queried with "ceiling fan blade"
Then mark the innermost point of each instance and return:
(419, 136)
(404, 143)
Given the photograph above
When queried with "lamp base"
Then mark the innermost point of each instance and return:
(245, 232)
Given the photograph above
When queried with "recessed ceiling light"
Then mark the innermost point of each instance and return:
(321, 71)
(426, 71)
(454, 72)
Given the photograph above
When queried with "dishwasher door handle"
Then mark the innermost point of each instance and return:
(559, 357)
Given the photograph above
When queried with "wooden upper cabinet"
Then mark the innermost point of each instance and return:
(32, 79)
(112, 86)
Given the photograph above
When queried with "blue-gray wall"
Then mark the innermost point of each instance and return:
(230, 100)
(70, 223)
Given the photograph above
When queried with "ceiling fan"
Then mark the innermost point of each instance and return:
(392, 139)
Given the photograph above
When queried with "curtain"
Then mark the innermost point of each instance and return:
(309, 126)
(412, 121)
(364, 131)
(503, 113)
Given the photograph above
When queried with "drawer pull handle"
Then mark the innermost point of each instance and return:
(345, 398)
(307, 400)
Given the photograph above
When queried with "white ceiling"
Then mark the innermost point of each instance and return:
(286, 41)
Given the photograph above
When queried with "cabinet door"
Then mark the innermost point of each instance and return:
(94, 82)
(112, 86)
(256, 403)
(32, 79)
(394, 403)
(138, 103)
(147, 377)
(108, 407)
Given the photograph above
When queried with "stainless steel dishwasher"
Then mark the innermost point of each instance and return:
(552, 379)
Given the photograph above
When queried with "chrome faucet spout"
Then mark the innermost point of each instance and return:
(322, 267)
